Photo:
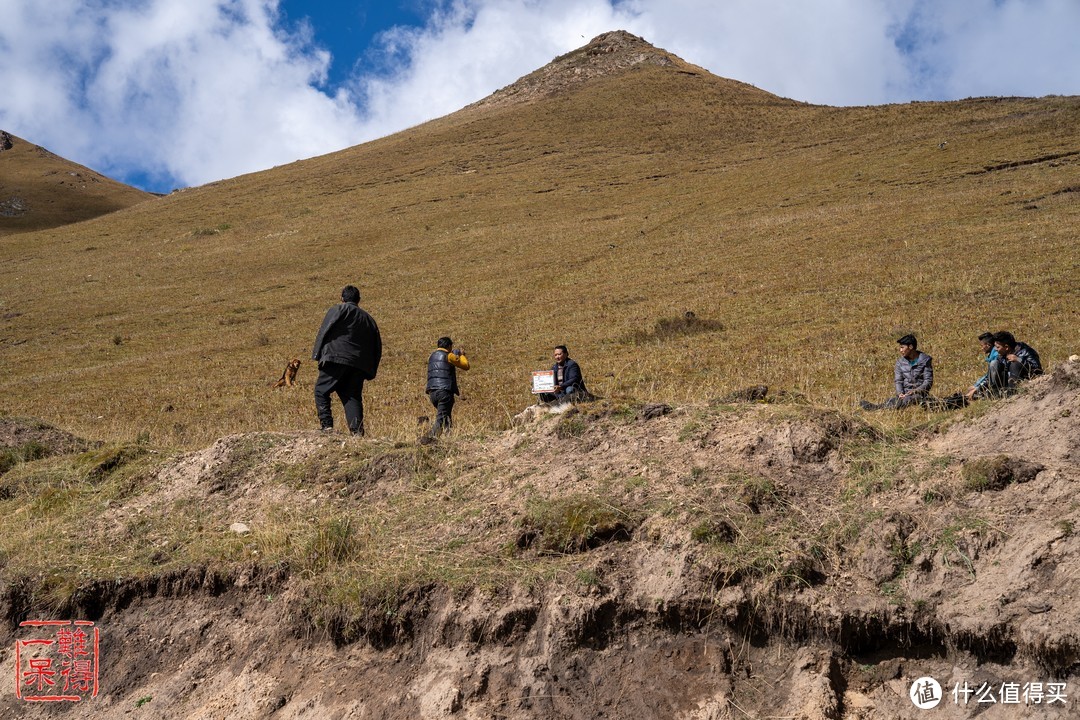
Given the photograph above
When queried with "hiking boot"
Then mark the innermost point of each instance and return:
(868, 405)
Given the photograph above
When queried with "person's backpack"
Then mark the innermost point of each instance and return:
(953, 402)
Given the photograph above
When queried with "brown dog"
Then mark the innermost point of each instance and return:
(288, 378)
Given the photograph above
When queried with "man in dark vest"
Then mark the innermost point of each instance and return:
(348, 349)
(442, 384)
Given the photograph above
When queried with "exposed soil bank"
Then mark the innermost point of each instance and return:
(965, 574)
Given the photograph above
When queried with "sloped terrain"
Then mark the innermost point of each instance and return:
(40, 190)
(671, 550)
(622, 189)
(716, 561)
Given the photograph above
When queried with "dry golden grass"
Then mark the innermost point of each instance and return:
(359, 522)
(112, 513)
(815, 236)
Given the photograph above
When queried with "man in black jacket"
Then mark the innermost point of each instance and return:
(1016, 361)
(568, 380)
(442, 382)
(348, 349)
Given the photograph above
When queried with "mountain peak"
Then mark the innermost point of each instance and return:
(607, 54)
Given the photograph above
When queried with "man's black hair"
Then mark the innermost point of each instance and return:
(445, 343)
(987, 337)
(1005, 338)
(564, 350)
(350, 294)
(908, 340)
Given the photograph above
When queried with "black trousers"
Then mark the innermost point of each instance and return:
(348, 383)
(443, 400)
(552, 397)
(1004, 374)
(896, 402)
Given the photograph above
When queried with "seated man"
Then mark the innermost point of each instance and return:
(568, 381)
(979, 388)
(1016, 362)
(913, 376)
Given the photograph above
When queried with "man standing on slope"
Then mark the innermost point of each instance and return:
(348, 349)
(442, 382)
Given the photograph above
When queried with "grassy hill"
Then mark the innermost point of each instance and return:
(591, 204)
(41, 190)
(796, 559)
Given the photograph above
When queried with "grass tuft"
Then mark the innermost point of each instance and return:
(27, 452)
(577, 522)
(990, 473)
(671, 328)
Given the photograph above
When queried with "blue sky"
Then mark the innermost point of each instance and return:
(173, 93)
(349, 28)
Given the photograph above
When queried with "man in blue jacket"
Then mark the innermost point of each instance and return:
(913, 376)
(348, 349)
(568, 380)
(981, 386)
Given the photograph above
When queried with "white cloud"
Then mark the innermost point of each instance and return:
(834, 51)
(998, 47)
(471, 49)
(193, 91)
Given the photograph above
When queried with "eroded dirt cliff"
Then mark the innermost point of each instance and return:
(735, 560)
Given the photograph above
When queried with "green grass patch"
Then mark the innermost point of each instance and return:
(26, 452)
(570, 425)
(576, 522)
(876, 467)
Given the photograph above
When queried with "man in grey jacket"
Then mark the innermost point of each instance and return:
(348, 349)
(913, 376)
